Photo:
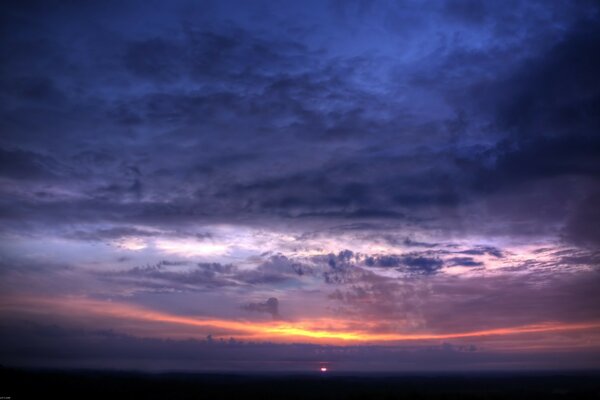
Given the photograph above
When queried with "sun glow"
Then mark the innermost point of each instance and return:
(338, 331)
(191, 248)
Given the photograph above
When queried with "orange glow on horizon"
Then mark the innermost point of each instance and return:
(337, 331)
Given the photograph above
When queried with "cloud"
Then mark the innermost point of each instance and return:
(169, 275)
(582, 227)
(356, 158)
(384, 261)
(21, 164)
(186, 276)
(260, 82)
(116, 232)
(155, 59)
(271, 306)
(482, 250)
(275, 270)
(339, 268)
(423, 265)
(61, 346)
(420, 263)
(378, 297)
(465, 262)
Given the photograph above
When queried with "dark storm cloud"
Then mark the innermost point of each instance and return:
(554, 93)
(250, 106)
(273, 84)
(545, 108)
(26, 165)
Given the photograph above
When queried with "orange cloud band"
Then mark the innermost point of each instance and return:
(336, 331)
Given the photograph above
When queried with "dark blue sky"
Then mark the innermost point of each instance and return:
(325, 172)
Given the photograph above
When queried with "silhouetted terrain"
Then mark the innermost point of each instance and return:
(25, 384)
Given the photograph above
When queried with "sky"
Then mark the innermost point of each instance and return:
(282, 185)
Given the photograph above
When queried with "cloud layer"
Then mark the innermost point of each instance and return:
(420, 167)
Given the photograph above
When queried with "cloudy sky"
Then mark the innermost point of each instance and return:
(281, 185)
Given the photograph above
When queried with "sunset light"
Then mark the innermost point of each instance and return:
(241, 196)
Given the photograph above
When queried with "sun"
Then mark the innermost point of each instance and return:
(323, 369)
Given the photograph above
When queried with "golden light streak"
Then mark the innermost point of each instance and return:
(337, 330)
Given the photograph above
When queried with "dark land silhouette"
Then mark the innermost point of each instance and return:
(51, 384)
